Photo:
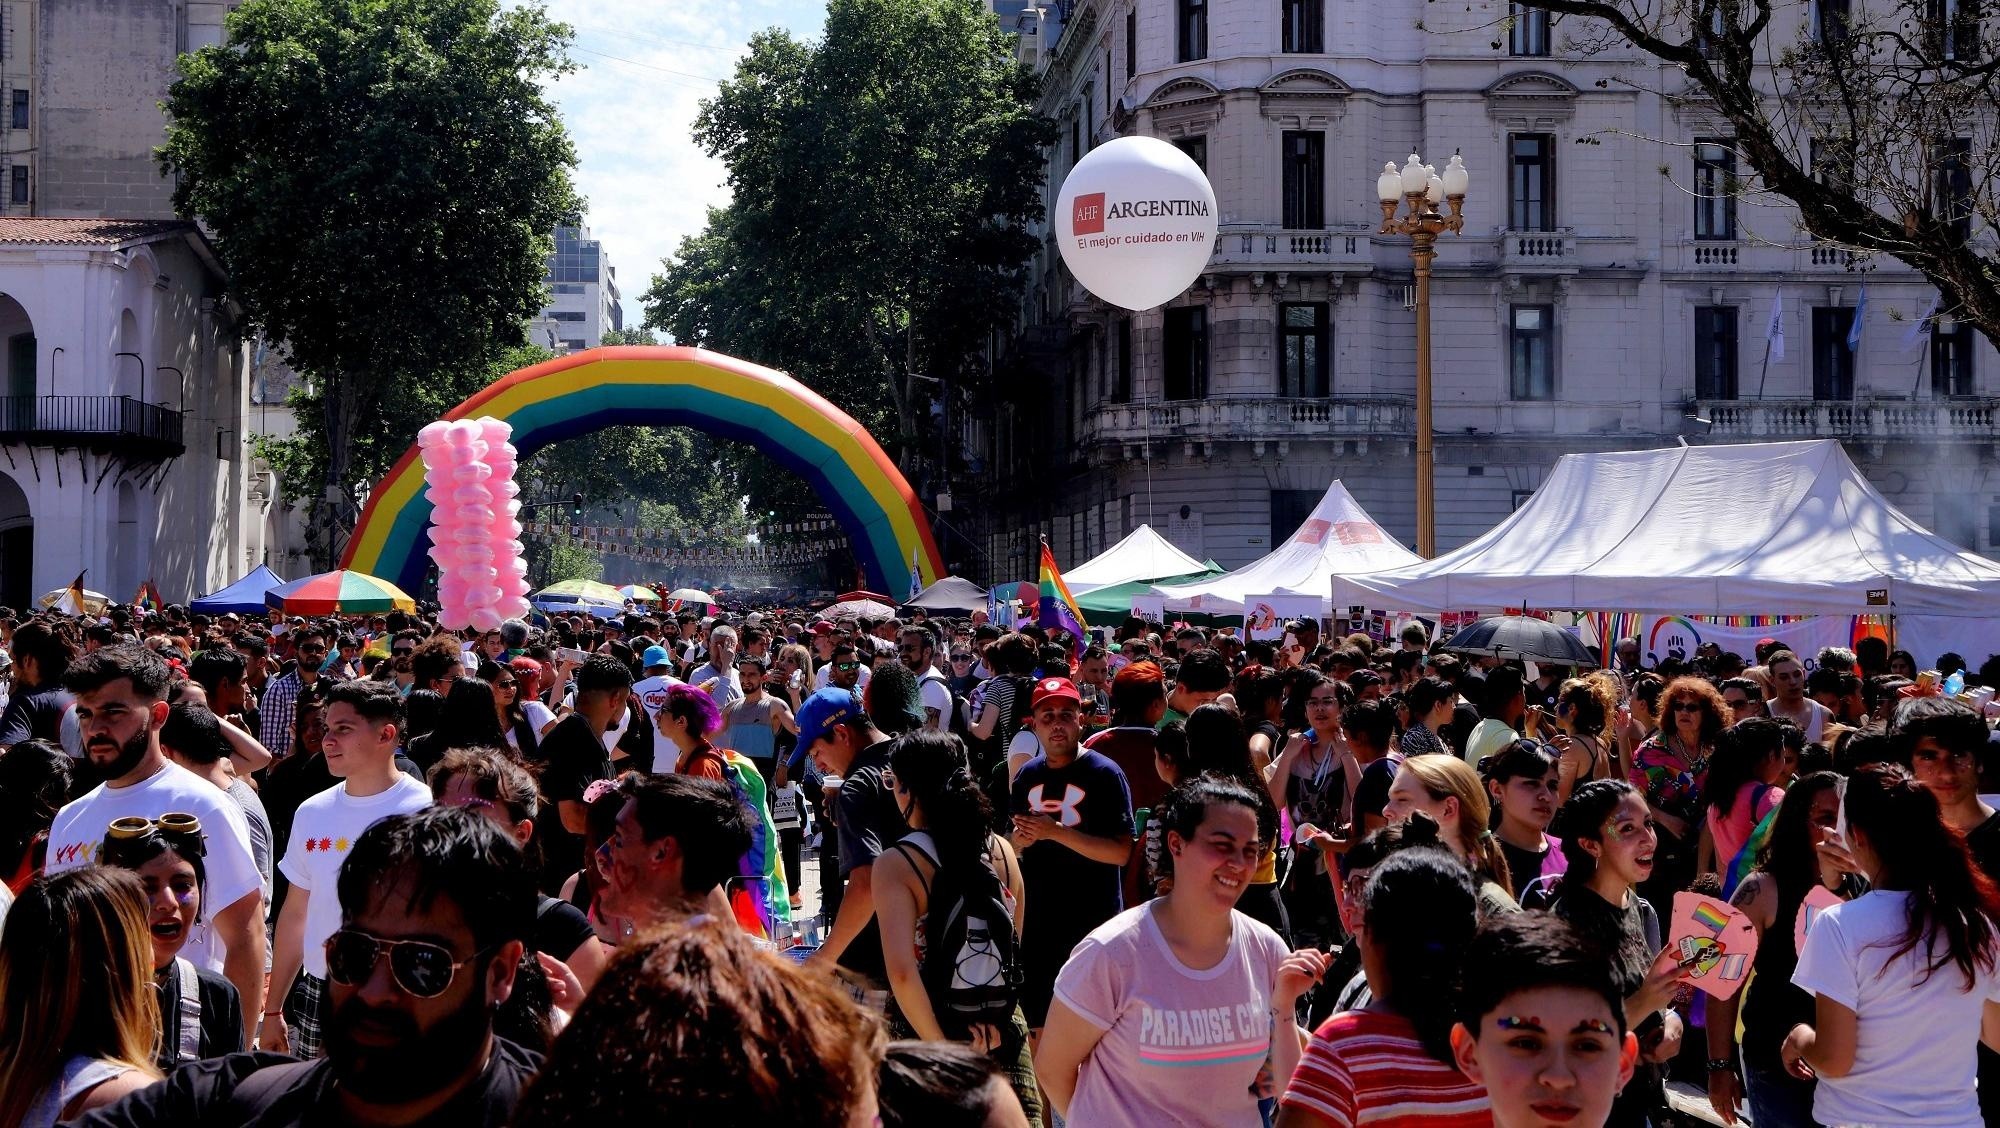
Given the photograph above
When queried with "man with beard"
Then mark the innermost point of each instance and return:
(120, 707)
(435, 907)
(362, 721)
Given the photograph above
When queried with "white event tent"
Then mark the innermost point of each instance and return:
(1142, 555)
(1761, 528)
(1338, 539)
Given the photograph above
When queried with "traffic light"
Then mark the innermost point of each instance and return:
(576, 506)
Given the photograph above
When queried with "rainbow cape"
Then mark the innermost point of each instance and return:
(758, 896)
(1058, 606)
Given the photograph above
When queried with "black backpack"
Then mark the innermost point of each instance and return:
(971, 969)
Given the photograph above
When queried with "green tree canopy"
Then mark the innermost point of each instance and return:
(382, 178)
(883, 181)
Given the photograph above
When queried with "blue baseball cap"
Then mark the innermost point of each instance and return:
(823, 710)
(656, 656)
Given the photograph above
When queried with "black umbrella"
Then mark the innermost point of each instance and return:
(1522, 637)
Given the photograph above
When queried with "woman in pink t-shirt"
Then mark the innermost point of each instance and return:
(1752, 758)
(1168, 1012)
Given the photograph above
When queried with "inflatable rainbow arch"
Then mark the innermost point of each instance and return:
(657, 385)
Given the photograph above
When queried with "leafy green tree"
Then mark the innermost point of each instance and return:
(382, 178)
(568, 560)
(883, 181)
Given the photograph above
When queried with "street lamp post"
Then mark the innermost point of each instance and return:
(1419, 188)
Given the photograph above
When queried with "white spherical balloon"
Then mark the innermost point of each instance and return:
(1136, 221)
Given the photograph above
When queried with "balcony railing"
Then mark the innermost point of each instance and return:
(1343, 246)
(107, 421)
(1970, 420)
(1255, 418)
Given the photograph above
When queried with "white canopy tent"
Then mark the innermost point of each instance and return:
(1762, 528)
(1339, 538)
(1142, 555)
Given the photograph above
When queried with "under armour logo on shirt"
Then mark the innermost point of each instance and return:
(1064, 809)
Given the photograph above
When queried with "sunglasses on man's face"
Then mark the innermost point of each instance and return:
(420, 968)
(844, 667)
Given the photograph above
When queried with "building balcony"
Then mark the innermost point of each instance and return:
(120, 424)
(1538, 251)
(1256, 420)
(1966, 420)
(1342, 249)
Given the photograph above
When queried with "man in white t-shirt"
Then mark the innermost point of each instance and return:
(363, 720)
(651, 691)
(918, 651)
(120, 705)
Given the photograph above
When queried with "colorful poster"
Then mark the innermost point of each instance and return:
(1715, 943)
(1674, 636)
(1264, 616)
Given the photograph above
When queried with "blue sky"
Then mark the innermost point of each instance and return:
(645, 66)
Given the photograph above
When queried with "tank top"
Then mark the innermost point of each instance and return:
(78, 1076)
(1771, 1004)
(750, 733)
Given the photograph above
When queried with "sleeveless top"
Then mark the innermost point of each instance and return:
(750, 732)
(1771, 1005)
(78, 1076)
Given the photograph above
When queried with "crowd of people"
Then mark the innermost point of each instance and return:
(365, 870)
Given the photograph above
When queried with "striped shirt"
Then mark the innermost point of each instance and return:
(1367, 1067)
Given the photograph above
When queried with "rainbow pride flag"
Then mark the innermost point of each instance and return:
(1058, 606)
(758, 896)
(148, 598)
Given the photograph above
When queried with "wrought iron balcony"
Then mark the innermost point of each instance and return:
(116, 423)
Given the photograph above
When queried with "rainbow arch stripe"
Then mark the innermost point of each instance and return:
(663, 385)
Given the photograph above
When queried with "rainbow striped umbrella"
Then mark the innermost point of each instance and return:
(339, 592)
(639, 593)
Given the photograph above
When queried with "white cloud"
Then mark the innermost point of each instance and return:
(645, 66)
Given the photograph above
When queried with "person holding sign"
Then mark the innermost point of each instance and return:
(1904, 978)
(1609, 841)
(1790, 868)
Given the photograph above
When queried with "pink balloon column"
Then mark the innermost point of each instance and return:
(475, 538)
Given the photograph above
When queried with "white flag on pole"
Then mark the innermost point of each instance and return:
(1774, 332)
(1920, 330)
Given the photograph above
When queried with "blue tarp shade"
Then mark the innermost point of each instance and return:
(244, 597)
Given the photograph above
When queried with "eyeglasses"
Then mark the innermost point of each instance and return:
(961, 657)
(1687, 706)
(421, 969)
(508, 684)
(403, 651)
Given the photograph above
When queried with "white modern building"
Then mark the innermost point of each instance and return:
(1608, 291)
(583, 292)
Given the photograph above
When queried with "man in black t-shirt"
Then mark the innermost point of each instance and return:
(837, 733)
(576, 758)
(35, 709)
(1072, 811)
(409, 1035)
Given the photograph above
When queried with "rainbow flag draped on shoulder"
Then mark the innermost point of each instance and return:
(1058, 606)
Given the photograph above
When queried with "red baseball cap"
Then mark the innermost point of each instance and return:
(1052, 689)
(821, 628)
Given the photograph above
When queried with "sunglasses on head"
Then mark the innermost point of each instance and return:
(420, 968)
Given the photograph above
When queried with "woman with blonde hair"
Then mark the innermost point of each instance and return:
(1447, 789)
(1584, 711)
(78, 1013)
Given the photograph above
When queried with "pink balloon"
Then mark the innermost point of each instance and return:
(474, 555)
(516, 607)
(474, 514)
(471, 472)
(433, 433)
(468, 534)
(493, 430)
(485, 619)
(474, 494)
